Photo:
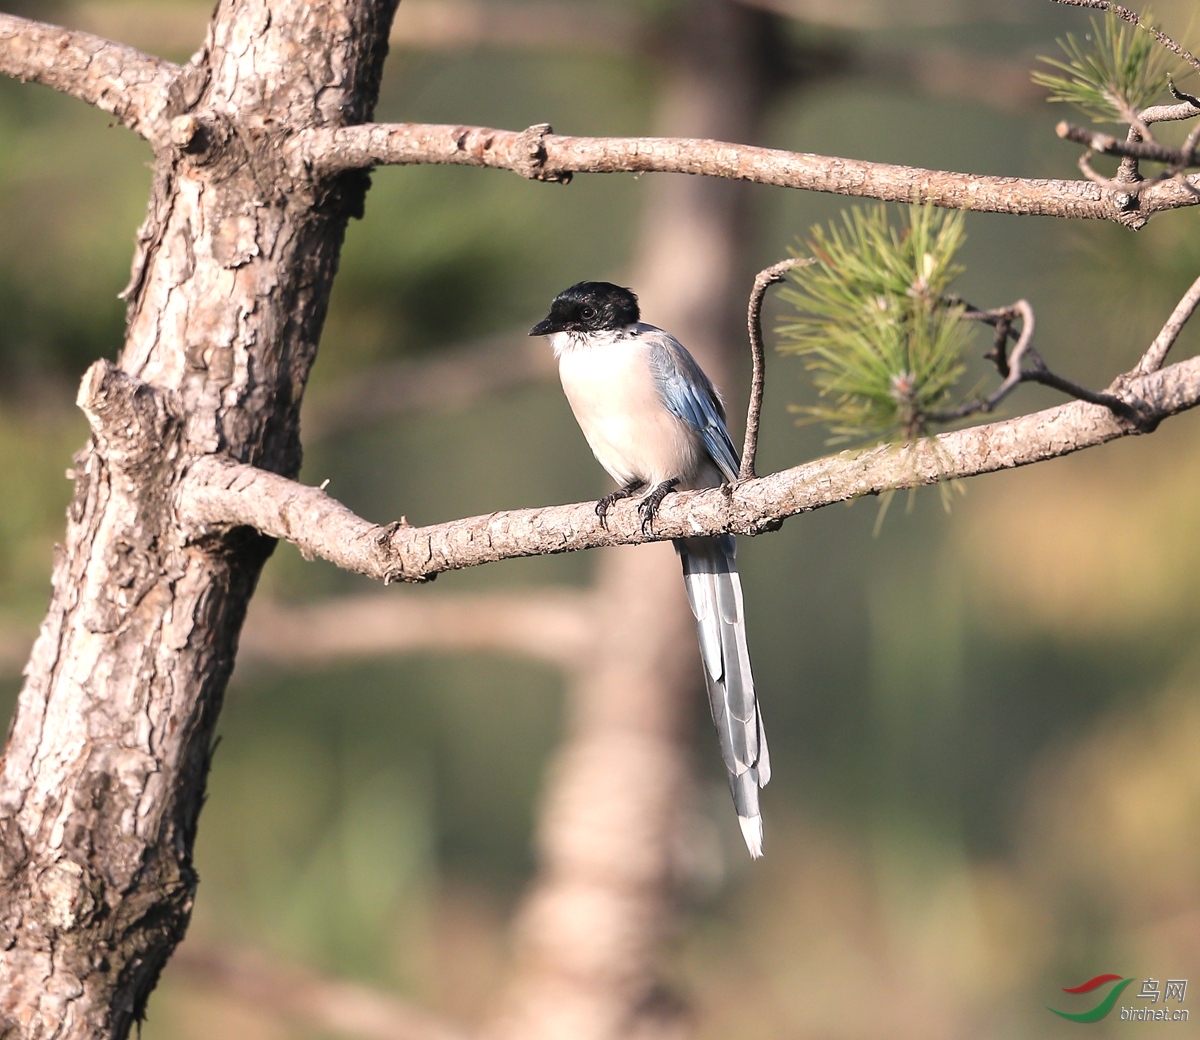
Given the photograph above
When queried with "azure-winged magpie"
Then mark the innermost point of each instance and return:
(655, 422)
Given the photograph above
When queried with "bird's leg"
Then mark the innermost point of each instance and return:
(648, 506)
(603, 506)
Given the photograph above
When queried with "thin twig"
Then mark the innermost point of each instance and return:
(1039, 373)
(767, 277)
(1153, 359)
(1025, 311)
(1014, 373)
(1109, 145)
(1188, 151)
(1125, 14)
(1009, 368)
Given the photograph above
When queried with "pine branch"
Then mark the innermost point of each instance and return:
(219, 492)
(539, 154)
(124, 82)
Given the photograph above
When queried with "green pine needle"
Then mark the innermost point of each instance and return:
(1112, 73)
(872, 321)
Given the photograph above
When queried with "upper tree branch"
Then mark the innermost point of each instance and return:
(539, 154)
(220, 492)
(120, 80)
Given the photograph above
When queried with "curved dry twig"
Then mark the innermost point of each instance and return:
(1022, 308)
(117, 79)
(540, 154)
(1001, 319)
(1013, 373)
(762, 281)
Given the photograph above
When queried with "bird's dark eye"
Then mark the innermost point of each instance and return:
(588, 312)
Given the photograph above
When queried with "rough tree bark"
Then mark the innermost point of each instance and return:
(104, 774)
(260, 160)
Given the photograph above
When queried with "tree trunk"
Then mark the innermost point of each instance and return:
(103, 776)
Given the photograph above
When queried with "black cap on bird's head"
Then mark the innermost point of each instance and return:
(589, 307)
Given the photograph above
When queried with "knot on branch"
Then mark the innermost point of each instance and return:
(530, 159)
(392, 563)
(69, 895)
(202, 138)
(1131, 410)
(132, 422)
(762, 526)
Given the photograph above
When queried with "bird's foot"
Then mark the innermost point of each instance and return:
(603, 506)
(648, 506)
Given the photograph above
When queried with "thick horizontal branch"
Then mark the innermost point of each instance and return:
(220, 492)
(551, 625)
(539, 154)
(119, 80)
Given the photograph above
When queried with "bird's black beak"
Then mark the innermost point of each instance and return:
(544, 327)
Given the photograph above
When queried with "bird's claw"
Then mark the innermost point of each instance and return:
(646, 511)
(606, 503)
(648, 506)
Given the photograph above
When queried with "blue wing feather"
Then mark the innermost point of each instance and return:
(689, 394)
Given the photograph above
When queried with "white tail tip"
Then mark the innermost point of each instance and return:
(752, 831)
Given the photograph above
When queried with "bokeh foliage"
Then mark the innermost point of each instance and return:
(983, 725)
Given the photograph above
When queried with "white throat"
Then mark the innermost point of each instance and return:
(569, 342)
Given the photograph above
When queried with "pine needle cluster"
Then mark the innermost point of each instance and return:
(872, 320)
(1113, 72)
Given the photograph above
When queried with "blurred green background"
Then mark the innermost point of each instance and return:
(984, 722)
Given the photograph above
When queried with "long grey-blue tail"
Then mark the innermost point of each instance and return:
(715, 593)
